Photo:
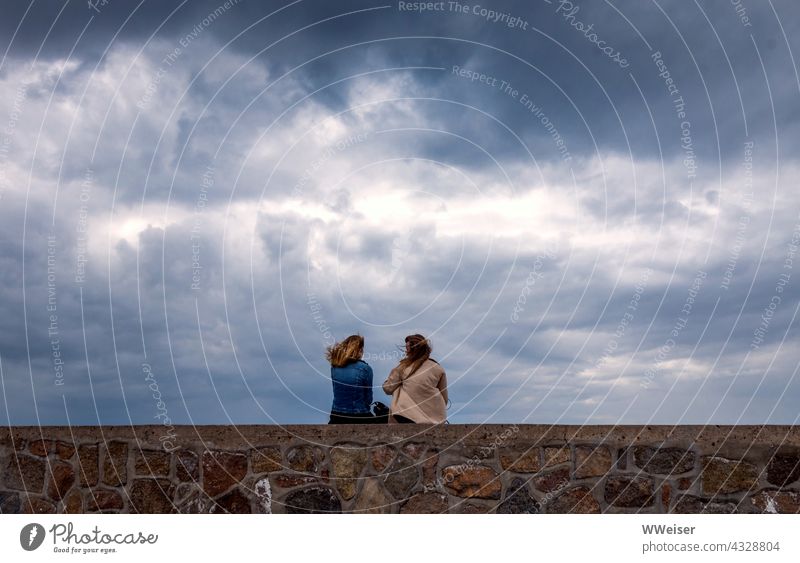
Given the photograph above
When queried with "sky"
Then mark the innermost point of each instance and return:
(590, 208)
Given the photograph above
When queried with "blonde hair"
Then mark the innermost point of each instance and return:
(346, 351)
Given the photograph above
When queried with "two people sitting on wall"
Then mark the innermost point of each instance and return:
(418, 385)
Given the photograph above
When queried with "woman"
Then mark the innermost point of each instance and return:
(352, 382)
(418, 386)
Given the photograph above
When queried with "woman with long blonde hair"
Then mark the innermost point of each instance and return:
(418, 385)
(352, 382)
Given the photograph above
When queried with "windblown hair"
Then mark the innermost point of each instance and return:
(348, 350)
(420, 350)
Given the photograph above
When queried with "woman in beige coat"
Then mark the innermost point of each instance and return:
(418, 386)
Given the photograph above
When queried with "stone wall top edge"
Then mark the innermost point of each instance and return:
(254, 434)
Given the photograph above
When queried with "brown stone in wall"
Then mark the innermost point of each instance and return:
(591, 461)
(115, 464)
(578, 500)
(42, 447)
(304, 458)
(400, 477)
(429, 463)
(65, 450)
(73, 504)
(413, 449)
(552, 480)
(89, 463)
(348, 462)
(382, 455)
(152, 496)
(266, 459)
(61, 477)
(553, 455)
(666, 495)
(152, 463)
(9, 503)
(724, 476)
(472, 481)
(291, 480)
(234, 502)
(783, 469)
(36, 505)
(313, 500)
(463, 507)
(518, 500)
(624, 491)
(522, 460)
(103, 499)
(685, 482)
(425, 503)
(690, 504)
(373, 499)
(622, 459)
(664, 461)
(222, 470)
(25, 473)
(777, 502)
(187, 466)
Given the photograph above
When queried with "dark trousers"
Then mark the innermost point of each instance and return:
(356, 418)
(403, 419)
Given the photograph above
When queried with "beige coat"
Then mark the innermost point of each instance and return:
(422, 397)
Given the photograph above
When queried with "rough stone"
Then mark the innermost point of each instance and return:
(89, 464)
(664, 461)
(234, 502)
(429, 464)
(552, 480)
(425, 503)
(304, 459)
(518, 500)
(520, 460)
(263, 496)
(115, 464)
(65, 450)
(666, 495)
(313, 500)
(348, 462)
(152, 496)
(266, 460)
(104, 499)
(382, 455)
(60, 479)
(187, 466)
(25, 473)
(291, 480)
(400, 477)
(373, 499)
(777, 502)
(190, 499)
(42, 447)
(463, 507)
(724, 476)
(553, 455)
(222, 470)
(783, 469)
(413, 449)
(152, 463)
(685, 483)
(36, 505)
(629, 492)
(478, 481)
(73, 504)
(578, 500)
(592, 461)
(690, 504)
(622, 459)
(9, 502)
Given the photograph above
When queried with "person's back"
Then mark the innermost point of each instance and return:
(422, 396)
(352, 388)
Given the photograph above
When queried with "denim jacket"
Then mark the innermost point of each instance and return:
(352, 388)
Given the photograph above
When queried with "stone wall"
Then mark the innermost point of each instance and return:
(403, 468)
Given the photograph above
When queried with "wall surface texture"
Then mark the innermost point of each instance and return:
(401, 468)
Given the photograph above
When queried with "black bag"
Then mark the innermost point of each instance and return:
(381, 412)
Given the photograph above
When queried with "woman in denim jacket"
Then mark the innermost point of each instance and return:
(352, 382)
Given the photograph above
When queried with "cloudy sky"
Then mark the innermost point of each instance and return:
(591, 208)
